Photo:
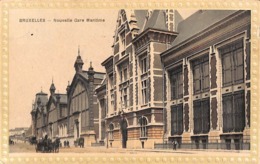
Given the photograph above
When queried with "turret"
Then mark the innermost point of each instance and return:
(78, 63)
(52, 88)
(91, 73)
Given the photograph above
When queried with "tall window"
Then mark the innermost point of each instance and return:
(123, 97)
(143, 65)
(201, 116)
(232, 64)
(123, 44)
(111, 132)
(123, 74)
(177, 119)
(111, 80)
(111, 91)
(144, 92)
(200, 69)
(176, 80)
(112, 100)
(143, 127)
(233, 112)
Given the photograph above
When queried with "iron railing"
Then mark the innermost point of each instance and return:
(216, 145)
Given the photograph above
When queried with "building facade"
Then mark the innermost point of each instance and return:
(168, 79)
(134, 77)
(74, 114)
(207, 79)
(83, 110)
(39, 115)
(48, 113)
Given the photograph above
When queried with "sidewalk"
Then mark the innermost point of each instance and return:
(186, 151)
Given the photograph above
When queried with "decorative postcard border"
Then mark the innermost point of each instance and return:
(7, 5)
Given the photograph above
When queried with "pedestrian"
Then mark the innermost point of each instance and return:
(174, 144)
(68, 144)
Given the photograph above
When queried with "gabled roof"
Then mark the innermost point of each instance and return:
(198, 22)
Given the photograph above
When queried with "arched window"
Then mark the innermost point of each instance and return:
(143, 127)
(111, 132)
(61, 130)
(65, 130)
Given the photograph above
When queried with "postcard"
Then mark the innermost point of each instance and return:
(129, 82)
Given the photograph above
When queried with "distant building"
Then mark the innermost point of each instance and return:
(39, 115)
(83, 110)
(48, 114)
(18, 133)
(57, 112)
(72, 115)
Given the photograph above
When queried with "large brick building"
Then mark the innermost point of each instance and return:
(207, 79)
(134, 76)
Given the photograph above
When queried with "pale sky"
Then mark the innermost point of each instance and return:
(39, 52)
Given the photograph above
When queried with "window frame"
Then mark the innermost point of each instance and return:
(144, 91)
(232, 50)
(236, 115)
(111, 131)
(199, 64)
(177, 119)
(201, 116)
(176, 89)
(143, 122)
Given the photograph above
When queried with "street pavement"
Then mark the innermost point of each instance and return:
(25, 149)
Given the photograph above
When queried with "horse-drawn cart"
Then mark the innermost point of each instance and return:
(46, 145)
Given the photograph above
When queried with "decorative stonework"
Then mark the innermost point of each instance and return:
(214, 113)
(213, 73)
(186, 117)
(186, 81)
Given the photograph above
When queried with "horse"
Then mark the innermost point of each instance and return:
(33, 140)
(44, 146)
(11, 142)
(56, 145)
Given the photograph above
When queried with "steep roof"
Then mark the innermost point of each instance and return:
(198, 22)
(140, 17)
(157, 20)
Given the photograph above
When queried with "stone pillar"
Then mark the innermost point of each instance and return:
(186, 104)
(91, 96)
(246, 133)
(214, 97)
